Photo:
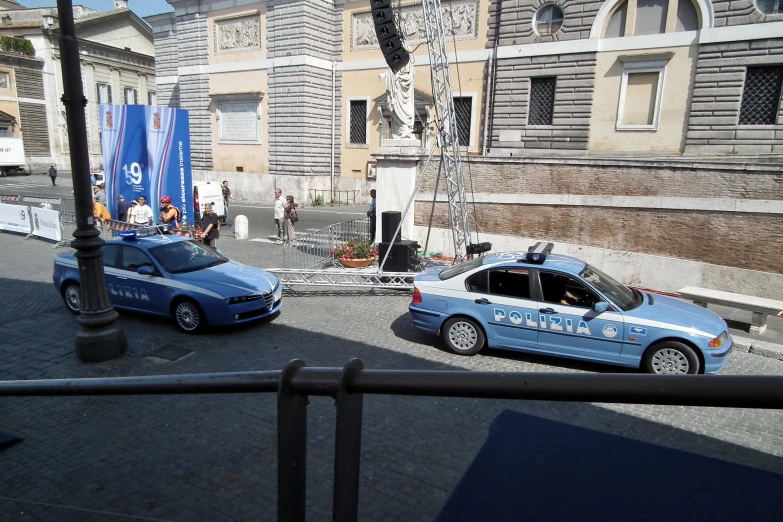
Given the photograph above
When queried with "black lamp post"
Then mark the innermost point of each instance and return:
(100, 338)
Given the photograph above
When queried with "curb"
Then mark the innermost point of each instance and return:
(757, 347)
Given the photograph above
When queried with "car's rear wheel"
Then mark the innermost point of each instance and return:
(72, 295)
(671, 358)
(188, 316)
(463, 336)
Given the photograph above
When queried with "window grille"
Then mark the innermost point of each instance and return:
(761, 96)
(463, 107)
(542, 101)
(358, 122)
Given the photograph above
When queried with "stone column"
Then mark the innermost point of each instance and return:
(397, 164)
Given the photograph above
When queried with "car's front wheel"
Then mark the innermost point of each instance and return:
(188, 316)
(463, 336)
(671, 358)
(72, 295)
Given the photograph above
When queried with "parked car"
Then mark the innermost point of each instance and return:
(559, 305)
(176, 277)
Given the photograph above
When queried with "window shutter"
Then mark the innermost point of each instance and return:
(108, 88)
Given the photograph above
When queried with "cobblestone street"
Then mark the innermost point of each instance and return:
(199, 457)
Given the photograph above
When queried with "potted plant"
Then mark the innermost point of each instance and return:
(355, 253)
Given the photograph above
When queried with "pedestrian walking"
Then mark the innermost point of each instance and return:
(371, 215)
(226, 197)
(53, 175)
(279, 215)
(211, 226)
(290, 218)
(122, 208)
(142, 213)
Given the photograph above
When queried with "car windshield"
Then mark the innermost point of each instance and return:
(621, 295)
(461, 268)
(186, 256)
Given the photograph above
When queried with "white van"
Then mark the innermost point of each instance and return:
(208, 192)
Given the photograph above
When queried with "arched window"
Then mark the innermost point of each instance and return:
(616, 26)
(650, 17)
(687, 17)
(549, 20)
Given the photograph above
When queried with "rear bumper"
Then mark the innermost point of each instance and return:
(426, 320)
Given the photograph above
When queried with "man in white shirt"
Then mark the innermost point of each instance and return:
(279, 214)
(142, 213)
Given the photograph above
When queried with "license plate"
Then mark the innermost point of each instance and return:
(278, 295)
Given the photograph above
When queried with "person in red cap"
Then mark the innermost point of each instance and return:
(169, 214)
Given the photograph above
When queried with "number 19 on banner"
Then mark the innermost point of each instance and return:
(132, 174)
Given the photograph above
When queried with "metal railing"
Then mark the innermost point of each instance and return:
(313, 250)
(333, 198)
(347, 385)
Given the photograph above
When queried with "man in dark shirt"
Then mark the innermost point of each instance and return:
(226, 197)
(122, 208)
(210, 226)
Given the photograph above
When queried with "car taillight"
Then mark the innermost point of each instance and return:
(416, 295)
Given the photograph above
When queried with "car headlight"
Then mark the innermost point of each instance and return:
(242, 299)
(718, 341)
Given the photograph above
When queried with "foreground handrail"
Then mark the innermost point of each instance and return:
(687, 390)
(348, 385)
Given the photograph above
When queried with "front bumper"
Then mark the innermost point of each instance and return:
(426, 320)
(715, 360)
(244, 312)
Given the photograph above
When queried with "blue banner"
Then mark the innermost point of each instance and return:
(146, 152)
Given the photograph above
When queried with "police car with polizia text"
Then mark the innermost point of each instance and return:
(152, 272)
(559, 305)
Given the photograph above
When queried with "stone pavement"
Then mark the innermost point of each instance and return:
(210, 457)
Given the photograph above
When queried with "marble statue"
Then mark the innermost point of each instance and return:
(399, 98)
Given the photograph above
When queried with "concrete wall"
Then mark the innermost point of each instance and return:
(669, 137)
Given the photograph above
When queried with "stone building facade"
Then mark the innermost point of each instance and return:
(641, 135)
(117, 66)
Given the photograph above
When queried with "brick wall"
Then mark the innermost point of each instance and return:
(166, 53)
(738, 240)
(717, 97)
(573, 99)
(300, 97)
(514, 23)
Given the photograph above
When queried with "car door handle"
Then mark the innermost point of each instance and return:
(547, 311)
(123, 278)
(482, 301)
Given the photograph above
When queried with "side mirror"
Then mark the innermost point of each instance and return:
(601, 307)
(146, 270)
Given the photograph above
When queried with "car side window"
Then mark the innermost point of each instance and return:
(566, 290)
(510, 282)
(133, 259)
(110, 255)
(478, 282)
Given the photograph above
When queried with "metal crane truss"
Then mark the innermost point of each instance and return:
(448, 138)
(337, 278)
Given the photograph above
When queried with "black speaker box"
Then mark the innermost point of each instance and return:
(388, 38)
(389, 223)
(403, 253)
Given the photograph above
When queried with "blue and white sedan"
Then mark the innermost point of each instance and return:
(558, 305)
(175, 277)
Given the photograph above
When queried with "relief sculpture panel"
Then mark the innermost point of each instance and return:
(459, 16)
(237, 34)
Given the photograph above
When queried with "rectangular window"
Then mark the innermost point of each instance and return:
(152, 98)
(542, 101)
(514, 282)
(463, 108)
(761, 96)
(104, 93)
(357, 121)
(131, 96)
(640, 98)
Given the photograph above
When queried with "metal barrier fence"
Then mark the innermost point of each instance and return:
(295, 383)
(333, 198)
(314, 249)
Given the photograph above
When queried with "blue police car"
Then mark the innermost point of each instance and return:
(176, 277)
(558, 305)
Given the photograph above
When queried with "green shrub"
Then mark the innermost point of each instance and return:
(12, 44)
(318, 201)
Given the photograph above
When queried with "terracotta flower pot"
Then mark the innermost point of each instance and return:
(356, 263)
